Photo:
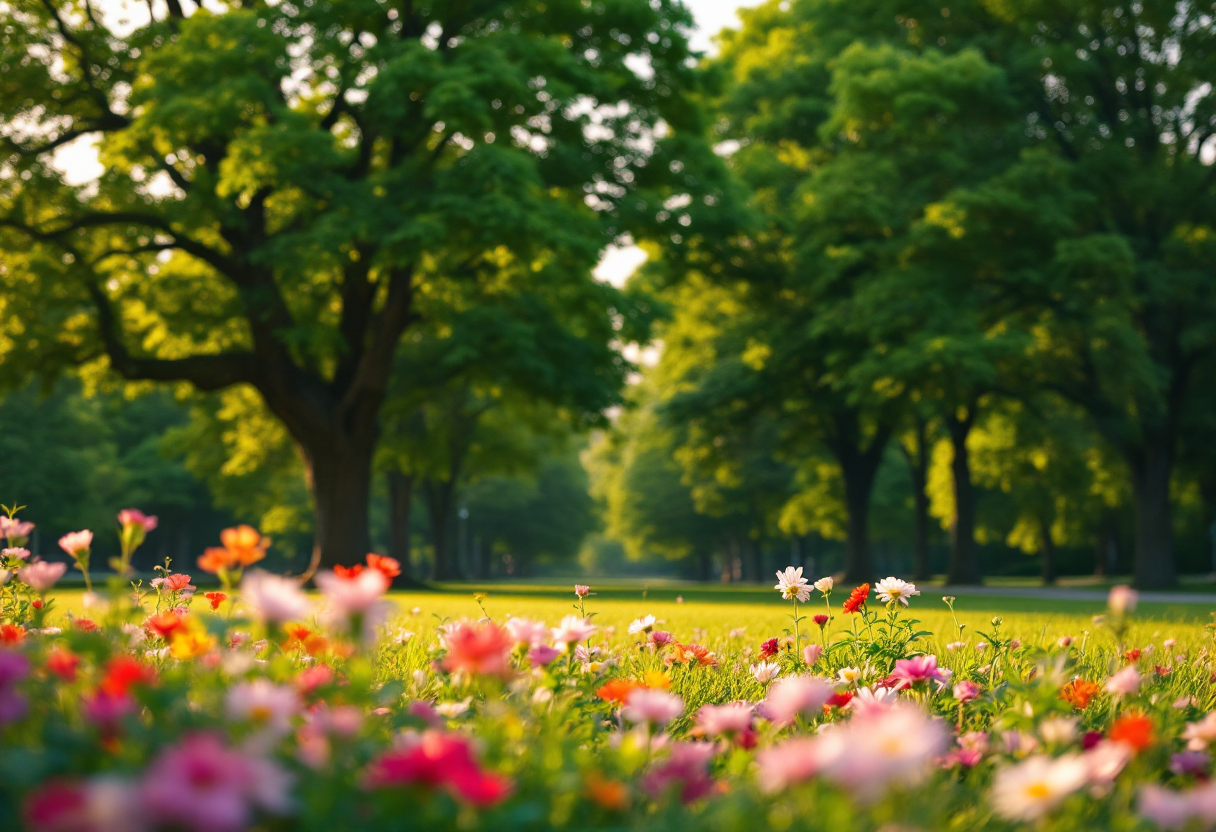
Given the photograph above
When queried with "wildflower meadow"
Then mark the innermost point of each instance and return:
(264, 705)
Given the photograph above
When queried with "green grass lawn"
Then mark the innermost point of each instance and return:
(718, 609)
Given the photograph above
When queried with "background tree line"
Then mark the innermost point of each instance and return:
(931, 285)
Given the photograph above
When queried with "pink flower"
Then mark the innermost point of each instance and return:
(16, 531)
(572, 630)
(912, 672)
(133, 517)
(274, 599)
(1125, 682)
(1122, 600)
(733, 721)
(881, 747)
(542, 654)
(795, 696)
(1164, 807)
(201, 785)
(652, 707)
(438, 760)
(40, 576)
(176, 582)
(966, 690)
(481, 648)
(347, 597)
(269, 706)
(16, 552)
(788, 763)
(660, 638)
(685, 771)
(811, 654)
(107, 710)
(527, 633)
(76, 543)
(581, 590)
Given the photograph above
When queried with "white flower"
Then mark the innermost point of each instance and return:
(454, 709)
(890, 590)
(403, 636)
(642, 625)
(572, 630)
(766, 671)
(273, 598)
(792, 585)
(825, 585)
(1058, 730)
(849, 675)
(1035, 786)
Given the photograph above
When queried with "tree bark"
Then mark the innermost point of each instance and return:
(400, 510)
(1152, 469)
(918, 469)
(340, 477)
(1048, 550)
(439, 500)
(859, 460)
(964, 566)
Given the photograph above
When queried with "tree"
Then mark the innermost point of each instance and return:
(290, 186)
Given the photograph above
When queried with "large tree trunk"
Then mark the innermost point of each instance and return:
(964, 566)
(400, 509)
(859, 461)
(918, 469)
(439, 502)
(1048, 550)
(340, 476)
(1151, 471)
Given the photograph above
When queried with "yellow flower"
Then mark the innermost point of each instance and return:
(190, 642)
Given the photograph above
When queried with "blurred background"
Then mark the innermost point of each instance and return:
(643, 288)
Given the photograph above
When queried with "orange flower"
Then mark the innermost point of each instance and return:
(1135, 730)
(348, 573)
(11, 633)
(1078, 692)
(617, 690)
(692, 654)
(300, 637)
(242, 546)
(612, 795)
(857, 598)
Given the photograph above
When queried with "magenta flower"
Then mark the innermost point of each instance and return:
(684, 771)
(13, 668)
(916, 670)
(201, 785)
(542, 654)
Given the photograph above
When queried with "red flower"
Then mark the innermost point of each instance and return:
(11, 633)
(122, 672)
(314, 677)
(348, 572)
(857, 598)
(821, 619)
(164, 624)
(1132, 655)
(388, 567)
(1135, 730)
(85, 625)
(37, 604)
(62, 662)
(838, 700)
(439, 760)
(769, 649)
(216, 598)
